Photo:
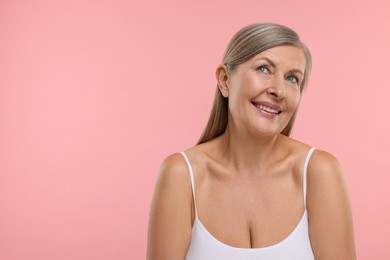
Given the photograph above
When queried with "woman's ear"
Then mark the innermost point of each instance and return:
(223, 76)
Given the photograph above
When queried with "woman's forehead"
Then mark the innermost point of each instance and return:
(285, 55)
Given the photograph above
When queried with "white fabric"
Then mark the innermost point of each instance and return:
(204, 246)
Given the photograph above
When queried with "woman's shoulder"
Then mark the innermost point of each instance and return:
(325, 173)
(294, 148)
(324, 161)
(175, 163)
(323, 167)
(321, 161)
(325, 180)
(201, 152)
(328, 206)
(325, 184)
(171, 210)
(173, 171)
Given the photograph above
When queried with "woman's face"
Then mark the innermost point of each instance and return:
(264, 92)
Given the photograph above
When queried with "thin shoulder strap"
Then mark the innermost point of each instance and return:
(305, 173)
(192, 180)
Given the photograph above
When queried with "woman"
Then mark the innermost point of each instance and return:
(247, 190)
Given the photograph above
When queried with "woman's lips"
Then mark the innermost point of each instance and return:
(267, 107)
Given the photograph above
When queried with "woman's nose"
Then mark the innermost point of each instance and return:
(277, 89)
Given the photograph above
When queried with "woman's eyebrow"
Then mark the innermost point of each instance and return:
(297, 71)
(267, 60)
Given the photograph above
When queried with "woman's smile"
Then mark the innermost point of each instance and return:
(267, 109)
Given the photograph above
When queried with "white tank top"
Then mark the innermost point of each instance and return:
(204, 246)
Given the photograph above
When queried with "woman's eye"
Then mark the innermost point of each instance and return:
(293, 79)
(263, 69)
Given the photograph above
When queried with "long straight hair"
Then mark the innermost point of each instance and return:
(245, 44)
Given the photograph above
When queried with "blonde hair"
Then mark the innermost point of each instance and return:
(245, 44)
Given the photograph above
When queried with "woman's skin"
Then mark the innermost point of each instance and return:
(248, 181)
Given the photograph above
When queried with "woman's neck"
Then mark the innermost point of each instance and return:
(246, 153)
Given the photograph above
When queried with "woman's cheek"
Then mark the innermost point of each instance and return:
(295, 99)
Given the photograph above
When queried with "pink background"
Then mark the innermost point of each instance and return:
(95, 94)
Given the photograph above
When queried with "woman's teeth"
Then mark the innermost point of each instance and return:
(267, 109)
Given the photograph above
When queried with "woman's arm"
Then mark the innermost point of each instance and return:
(170, 215)
(330, 217)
